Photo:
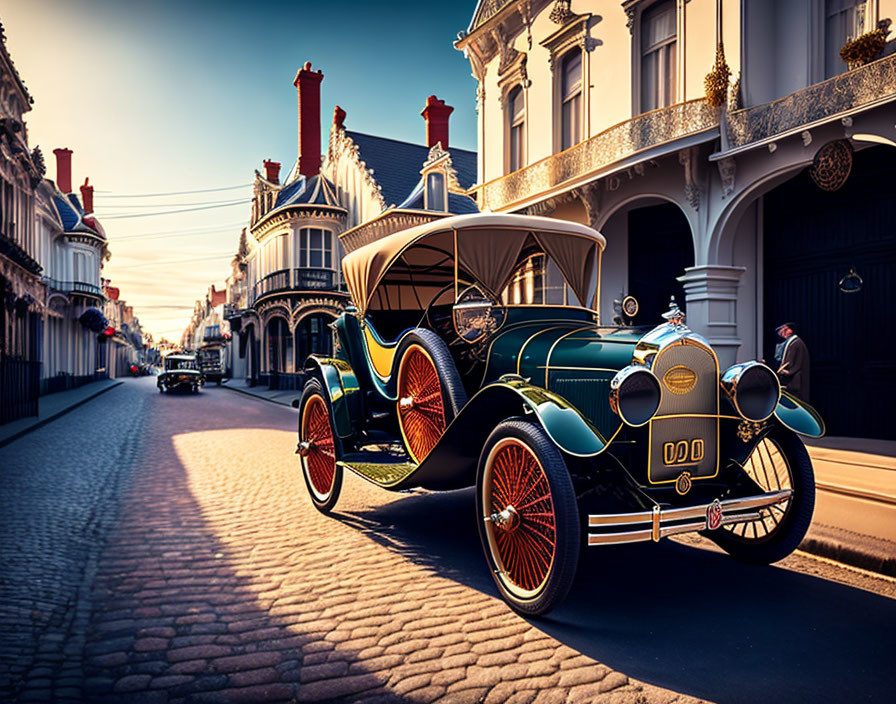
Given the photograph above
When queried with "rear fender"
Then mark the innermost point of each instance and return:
(799, 416)
(342, 389)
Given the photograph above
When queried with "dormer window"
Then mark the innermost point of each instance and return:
(436, 194)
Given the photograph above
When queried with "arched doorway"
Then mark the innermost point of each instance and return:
(812, 238)
(278, 350)
(649, 245)
(313, 336)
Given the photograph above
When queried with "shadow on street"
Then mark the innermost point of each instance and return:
(691, 620)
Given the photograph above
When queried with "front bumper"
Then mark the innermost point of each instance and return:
(659, 523)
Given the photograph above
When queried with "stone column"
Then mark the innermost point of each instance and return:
(711, 305)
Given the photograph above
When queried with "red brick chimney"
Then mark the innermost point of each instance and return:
(87, 196)
(272, 170)
(64, 169)
(307, 85)
(436, 114)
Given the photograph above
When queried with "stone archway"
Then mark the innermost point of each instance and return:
(650, 243)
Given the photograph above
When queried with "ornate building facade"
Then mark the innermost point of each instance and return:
(22, 292)
(729, 153)
(286, 286)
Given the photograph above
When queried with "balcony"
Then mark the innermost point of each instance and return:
(854, 90)
(587, 159)
(306, 279)
(75, 287)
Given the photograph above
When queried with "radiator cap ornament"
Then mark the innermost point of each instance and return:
(675, 316)
(714, 515)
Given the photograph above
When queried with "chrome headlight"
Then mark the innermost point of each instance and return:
(753, 388)
(635, 395)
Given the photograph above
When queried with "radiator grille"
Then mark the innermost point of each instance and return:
(590, 397)
(684, 433)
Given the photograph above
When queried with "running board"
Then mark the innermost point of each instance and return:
(659, 523)
(386, 469)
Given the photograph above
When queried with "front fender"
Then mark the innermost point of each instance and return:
(799, 416)
(342, 389)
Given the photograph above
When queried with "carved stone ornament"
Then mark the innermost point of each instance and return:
(832, 165)
(688, 159)
(727, 170)
(630, 14)
(506, 52)
(561, 14)
(590, 197)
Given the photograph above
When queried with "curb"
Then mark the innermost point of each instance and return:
(260, 398)
(44, 421)
(849, 555)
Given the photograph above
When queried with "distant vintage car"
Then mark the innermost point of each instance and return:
(569, 431)
(212, 362)
(181, 373)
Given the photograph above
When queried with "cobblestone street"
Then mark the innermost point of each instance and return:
(171, 554)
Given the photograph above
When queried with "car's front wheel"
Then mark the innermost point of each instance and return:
(528, 517)
(317, 448)
(779, 462)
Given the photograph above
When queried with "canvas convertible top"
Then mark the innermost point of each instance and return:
(408, 270)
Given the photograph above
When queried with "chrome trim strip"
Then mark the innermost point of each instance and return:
(658, 523)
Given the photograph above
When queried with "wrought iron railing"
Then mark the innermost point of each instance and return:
(64, 381)
(74, 287)
(19, 389)
(277, 281)
(650, 129)
(315, 279)
(860, 87)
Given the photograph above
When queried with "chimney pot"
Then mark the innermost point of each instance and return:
(64, 169)
(339, 117)
(436, 114)
(87, 196)
(272, 171)
(307, 83)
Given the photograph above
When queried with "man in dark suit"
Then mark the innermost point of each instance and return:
(793, 362)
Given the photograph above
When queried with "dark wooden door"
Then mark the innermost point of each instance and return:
(812, 239)
(660, 246)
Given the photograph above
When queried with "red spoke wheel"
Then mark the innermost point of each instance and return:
(778, 462)
(421, 407)
(317, 448)
(529, 520)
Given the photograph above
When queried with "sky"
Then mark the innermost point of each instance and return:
(170, 96)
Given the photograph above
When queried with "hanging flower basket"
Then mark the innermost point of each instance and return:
(93, 320)
(865, 48)
(716, 81)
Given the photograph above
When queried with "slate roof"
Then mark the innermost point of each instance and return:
(396, 165)
(458, 204)
(308, 191)
(73, 217)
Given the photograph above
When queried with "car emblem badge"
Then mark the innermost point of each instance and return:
(714, 515)
(680, 380)
(683, 483)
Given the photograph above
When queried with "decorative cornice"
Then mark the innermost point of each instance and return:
(341, 144)
(288, 214)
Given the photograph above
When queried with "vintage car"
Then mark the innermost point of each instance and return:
(571, 432)
(181, 373)
(212, 362)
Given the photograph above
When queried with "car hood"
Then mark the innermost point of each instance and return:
(538, 350)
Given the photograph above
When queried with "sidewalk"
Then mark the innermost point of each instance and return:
(54, 405)
(855, 503)
(284, 398)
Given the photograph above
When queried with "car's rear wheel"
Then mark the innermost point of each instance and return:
(779, 462)
(528, 517)
(317, 448)
(429, 390)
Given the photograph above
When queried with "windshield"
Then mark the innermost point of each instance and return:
(180, 363)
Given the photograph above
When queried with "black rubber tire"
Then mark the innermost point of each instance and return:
(313, 388)
(789, 533)
(454, 396)
(568, 530)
